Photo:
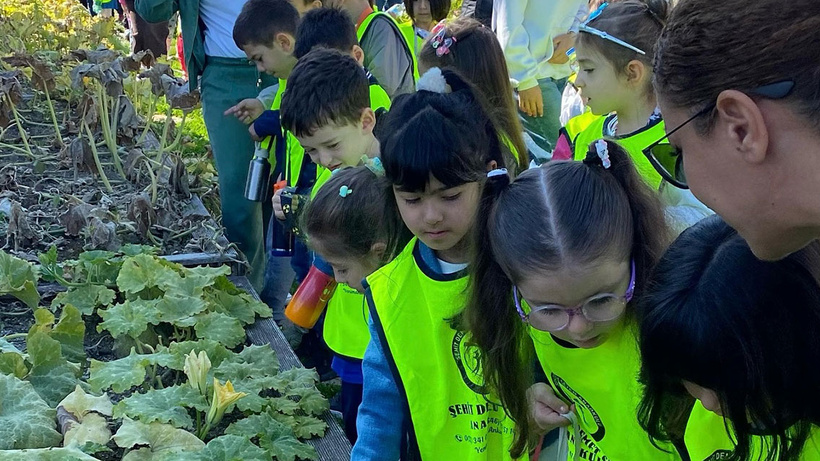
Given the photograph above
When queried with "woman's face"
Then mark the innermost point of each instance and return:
(732, 172)
(569, 287)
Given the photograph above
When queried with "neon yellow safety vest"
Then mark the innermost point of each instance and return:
(294, 152)
(414, 42)
(408, 43)
(634, 143)
(452, 416)
(706, 439)
(346, 316)
(602, 383)
(579, 123)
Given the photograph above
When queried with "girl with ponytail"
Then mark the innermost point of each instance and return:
(424, 397)
(564, 291)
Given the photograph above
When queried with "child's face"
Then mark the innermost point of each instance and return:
(352, 270)
(421, 14)
(276, 60)
(708, 398)
(339, 145)
(441, 217)
(600, 84)
(571, 286)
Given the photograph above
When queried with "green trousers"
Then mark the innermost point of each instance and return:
(224, 83)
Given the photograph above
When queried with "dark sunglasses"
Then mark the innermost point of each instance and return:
(667, 159)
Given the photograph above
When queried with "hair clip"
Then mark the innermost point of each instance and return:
(603, 153)
(344, 191)
(373, 164)
(432, 80)
(439, 40)
(497, 172)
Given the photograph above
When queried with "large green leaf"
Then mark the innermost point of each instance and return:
(78, 403)
(169, 405)
(19, 279)
(226, 297)
(308, 427)
(46, 454)
(12, 363)
(85, 298)
(220, 327)
(51, 374)
(196, 279)
(295, 378)
(232, 448)
(129, 318)
(144, 271)
(6, 346)
(118, 375)
(311, 401)
(70, 332)
(217, 353)
(93, 429)
(161, 439)
(275, 437)
(26, 420)
(179, 309)
(253, 402)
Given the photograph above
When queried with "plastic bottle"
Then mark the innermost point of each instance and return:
(311, 298)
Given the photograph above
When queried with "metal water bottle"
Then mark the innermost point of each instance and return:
(257, 184)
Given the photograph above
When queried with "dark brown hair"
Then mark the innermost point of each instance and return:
(349, 226)
(477, 56)
(439, 9)
(708, 47)
(260, 21)
(636, 22)
(574, 213)
(326, 86)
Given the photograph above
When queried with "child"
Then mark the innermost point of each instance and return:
(328, 108)
(338, 223)
(535, 36)
(332, 28)
(474, 52)
(595, 230)
(386, 53)
(740, 335)
(424, 15)
(422, 395)
(614, 51)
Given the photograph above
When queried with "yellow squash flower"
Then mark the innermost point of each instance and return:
(224, 397)
(196, 368)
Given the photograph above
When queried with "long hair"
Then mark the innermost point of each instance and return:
(574, 213)
(477, 55)
(715, 315)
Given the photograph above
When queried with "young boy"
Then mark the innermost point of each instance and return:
(328, 107)
(386, 52)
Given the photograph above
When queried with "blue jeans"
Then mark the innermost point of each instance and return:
(543, 131)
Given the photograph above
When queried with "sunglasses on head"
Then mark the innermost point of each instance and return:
(668, 159)
(585, 27)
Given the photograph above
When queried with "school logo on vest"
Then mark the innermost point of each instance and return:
(467, 361)
(719, 455)
(587, 416)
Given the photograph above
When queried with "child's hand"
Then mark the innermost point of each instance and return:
(561, 44)
(546, 408)
(247, 110)
(277, 205)
(253, 134)
(531, 101)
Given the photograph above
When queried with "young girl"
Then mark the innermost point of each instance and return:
(614, 50)
(338, 223)
(468, 47)
(565, 287)
(423, 396)
(740, 335)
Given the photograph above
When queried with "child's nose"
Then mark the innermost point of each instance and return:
(579, 325)
(432, 215)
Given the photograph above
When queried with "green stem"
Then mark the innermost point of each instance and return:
(103, 177)
(148, 120)
(20, 128)
(15, 336)
(178, 136)
(109, 128)
(153, 181)
(140, 346)
(13, 147)
(53, 116)
(163, 139)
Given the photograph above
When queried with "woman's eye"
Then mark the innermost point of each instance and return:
(411, 201)
(451, 198)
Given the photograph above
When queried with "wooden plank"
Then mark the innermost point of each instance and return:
(334, 446)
